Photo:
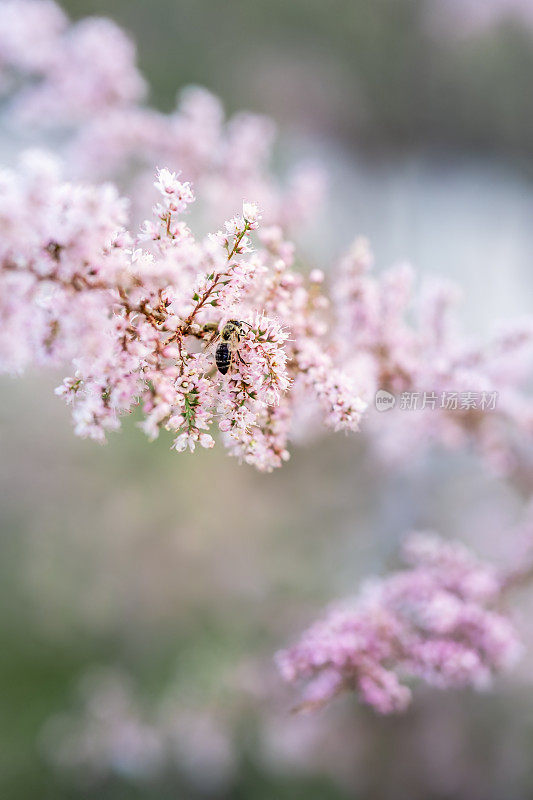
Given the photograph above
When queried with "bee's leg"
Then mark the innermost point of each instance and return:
(241, 359)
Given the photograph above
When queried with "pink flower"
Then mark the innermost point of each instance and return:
(177, 195)
(135, 313)
(436, 621)
(251, 215)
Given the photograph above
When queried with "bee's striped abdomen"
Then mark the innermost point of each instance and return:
(223, 357)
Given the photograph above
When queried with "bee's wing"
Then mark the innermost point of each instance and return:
(209, 350)
(211, 343)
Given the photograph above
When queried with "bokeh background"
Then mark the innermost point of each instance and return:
(142, 593)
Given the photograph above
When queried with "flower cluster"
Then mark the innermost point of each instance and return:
(392, 338)
(112, 732)
(139, 315)
(436, 621)
(135, 311)
(82, 81)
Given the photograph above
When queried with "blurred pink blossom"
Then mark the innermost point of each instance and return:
(438, 621)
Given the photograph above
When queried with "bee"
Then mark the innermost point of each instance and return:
(228, 346)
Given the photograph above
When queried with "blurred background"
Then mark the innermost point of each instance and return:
(143, 593)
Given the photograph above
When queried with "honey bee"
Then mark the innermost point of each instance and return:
(228, 346)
